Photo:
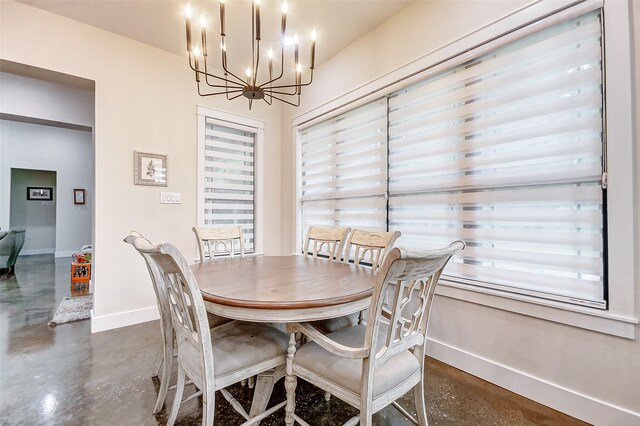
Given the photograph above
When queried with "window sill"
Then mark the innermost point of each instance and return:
(576, 316)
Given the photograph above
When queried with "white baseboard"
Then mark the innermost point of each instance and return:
(65, 253)
(29, 252)
(575, 404)
(123, 319)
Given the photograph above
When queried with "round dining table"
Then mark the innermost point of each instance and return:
(283, 288)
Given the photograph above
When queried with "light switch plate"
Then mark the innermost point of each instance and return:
(170, 198)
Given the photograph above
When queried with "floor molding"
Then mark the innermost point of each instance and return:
(30, 252)
(565, 400)
(123, 319)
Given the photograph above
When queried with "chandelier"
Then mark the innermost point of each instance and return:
(249, 85)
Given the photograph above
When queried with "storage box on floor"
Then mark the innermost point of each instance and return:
(81, 272)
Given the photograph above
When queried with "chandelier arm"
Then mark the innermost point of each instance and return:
(285, 86)
(227, 93)
(241, 81)
(255, 73)
(227, 81)
(221, 93)
(270, 92)
(287, 102)
(281, 71)
(212, 75)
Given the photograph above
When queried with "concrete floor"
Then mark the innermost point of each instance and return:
(65, 375)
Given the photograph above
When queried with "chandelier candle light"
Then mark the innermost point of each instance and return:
(233, 86)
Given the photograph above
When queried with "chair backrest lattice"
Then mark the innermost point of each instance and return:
(369, 247)
(325, 241)
(188, 312)
(409, 280)
(220, 241)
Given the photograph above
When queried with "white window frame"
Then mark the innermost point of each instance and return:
(258, 195)
(621, 317)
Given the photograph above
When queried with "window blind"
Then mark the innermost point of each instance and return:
(343, 164)
(506, 152)
(229, 174)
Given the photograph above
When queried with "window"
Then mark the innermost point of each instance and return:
(343, 170)
(504, 151)
(227, 175)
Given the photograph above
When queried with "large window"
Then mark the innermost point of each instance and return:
(504, 151)
(344, 170)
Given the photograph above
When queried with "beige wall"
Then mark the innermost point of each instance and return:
(145, 100)
(587, 374)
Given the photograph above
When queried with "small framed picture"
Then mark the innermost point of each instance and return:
(39, 193)
(149, 169)
(78, 196)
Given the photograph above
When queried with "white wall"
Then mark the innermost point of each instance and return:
(145, 100)
(36, 216)
(31, 97)
(65, 151)
(587, 374)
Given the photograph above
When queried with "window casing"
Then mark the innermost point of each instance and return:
(504, 151)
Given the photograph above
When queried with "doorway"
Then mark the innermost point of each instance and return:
(33, 207)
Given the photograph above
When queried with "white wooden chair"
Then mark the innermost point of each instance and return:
(329, 242)
(325, 241)
(203, 354)
(219, 241)
(371, 366)
(165, 360)
(369, 247)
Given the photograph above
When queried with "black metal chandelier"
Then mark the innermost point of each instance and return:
(233, 86)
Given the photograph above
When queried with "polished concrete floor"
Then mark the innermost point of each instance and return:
(65, 375)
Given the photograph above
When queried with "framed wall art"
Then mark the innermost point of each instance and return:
(78, 196)
(39, 193)
(149, 169)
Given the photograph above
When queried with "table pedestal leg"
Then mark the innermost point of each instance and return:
(290, 382)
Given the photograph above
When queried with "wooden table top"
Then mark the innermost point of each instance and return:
(282, 282)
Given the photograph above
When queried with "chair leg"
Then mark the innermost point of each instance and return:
(263, 389)
(159, 363)
(327, 396)
(262, 393)
(165, 379)
(177, 399)
(208, 406)
(418, 397)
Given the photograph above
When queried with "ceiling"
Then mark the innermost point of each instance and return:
(161, 23)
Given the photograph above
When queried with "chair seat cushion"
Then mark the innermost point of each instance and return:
(346, 372)
(239, 344)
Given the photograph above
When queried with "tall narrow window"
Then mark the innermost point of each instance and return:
(343, 165)
(506, 152)
(229, 177)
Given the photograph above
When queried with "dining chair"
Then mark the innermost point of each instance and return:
(330, 243)
(325, 241)
(371, 366)
(219, 241)
(369, 247)
(165, 359)
(211, 358)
